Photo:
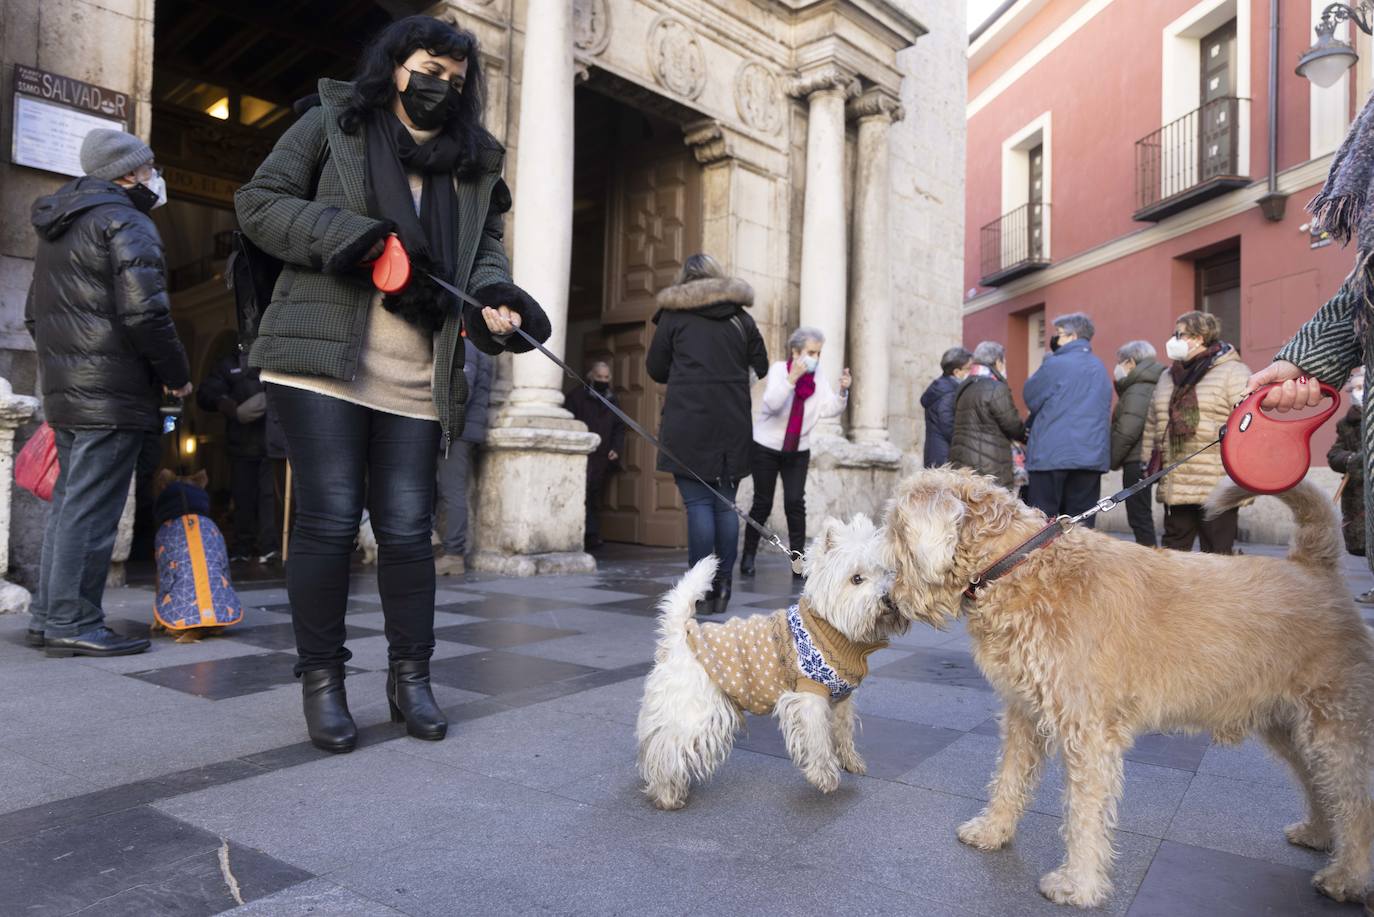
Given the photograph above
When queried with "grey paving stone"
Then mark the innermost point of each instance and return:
(1250, 761)
(376, 620)
(922, 702)
(500, 634)
(500, 672)
(25, 782)
(1151, 796)
(889, 748)
(36, 694)
(1244, 818)
(589, 621)
(534, 746)
(539, 585)
(314, 898)
(782, 889)
(941, 666)
(370, 653)
(618, 702)
(165, 651)
(903, 838)
(1184, 752)
(594, 650)
(229, 677)
(1186, 881)
(344, 809)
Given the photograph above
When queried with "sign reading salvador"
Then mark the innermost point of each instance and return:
(52, 115)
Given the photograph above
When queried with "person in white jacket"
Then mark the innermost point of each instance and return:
(797, 394)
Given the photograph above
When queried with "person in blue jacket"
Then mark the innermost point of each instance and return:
(1070, 403)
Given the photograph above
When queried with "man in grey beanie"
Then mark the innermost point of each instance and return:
(107, 351)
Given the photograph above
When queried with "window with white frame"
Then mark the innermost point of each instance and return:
(1026, 176)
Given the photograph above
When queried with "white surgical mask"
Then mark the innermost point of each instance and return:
(158, 185)
(1357, 395)
(1176, 349)
(1120, 372)
(810, 363)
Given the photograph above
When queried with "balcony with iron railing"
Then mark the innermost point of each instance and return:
(1190, 160)
(1013, 245)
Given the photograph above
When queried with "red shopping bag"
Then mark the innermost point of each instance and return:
(35, 468)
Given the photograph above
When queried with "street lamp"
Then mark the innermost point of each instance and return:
(1325, 61)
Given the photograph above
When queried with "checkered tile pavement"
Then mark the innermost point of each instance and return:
(178, 782)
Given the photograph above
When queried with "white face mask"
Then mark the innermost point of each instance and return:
(1357, 395)
(1120, 372)
(1176, 349)
(158, 185)
(810, 363)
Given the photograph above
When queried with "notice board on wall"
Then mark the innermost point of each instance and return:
(52, 115)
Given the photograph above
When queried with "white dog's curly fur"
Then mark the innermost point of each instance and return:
(1092, 641)
(687, 724)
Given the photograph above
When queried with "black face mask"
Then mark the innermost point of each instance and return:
(142, 198)
(1054, 343)
(428, 100)
(602, 387)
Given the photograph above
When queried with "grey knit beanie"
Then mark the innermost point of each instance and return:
(113, 154)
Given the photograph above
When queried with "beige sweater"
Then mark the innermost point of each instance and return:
(1217, 394)
(754, 660)
(396, 360)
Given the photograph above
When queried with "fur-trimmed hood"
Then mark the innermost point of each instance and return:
(702, 294)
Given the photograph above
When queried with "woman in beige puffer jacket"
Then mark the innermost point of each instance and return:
(1196, 344)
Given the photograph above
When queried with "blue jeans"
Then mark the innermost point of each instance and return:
(83, 520)
(343, 455)
(712, 525)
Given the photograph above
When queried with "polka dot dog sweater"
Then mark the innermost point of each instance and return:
(754, 660)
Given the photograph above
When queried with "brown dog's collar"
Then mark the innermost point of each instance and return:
(1014, 558)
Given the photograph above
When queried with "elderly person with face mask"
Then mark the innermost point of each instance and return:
(1137, 373)
(796, 396)
(1192, 402)
(986, 421)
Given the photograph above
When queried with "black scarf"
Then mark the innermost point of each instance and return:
(1345, 206)
(430, 237)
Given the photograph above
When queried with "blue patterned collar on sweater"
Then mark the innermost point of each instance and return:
(812, 661)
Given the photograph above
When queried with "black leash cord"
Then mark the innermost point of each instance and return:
(770, 536)
(1121, 496)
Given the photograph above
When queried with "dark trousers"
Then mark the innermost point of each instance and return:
(1065, 492)
(455, 470)
(95, 467)
(1184, 523)
(767, 466)
(342, 453)
(1139, 512)
(595, 487)
(712, 526)
(253, 486)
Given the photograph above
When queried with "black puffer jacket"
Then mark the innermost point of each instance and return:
(1133, 396)
(985, 424)
(938, 401)
(702, 350)
(98, 311)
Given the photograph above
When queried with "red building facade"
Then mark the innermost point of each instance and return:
(1119, 164)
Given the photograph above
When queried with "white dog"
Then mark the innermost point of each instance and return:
(800, 663)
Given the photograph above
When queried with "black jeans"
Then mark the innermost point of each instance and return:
(1184, 524)
(1139, 513)
(252, 482)
(1065, 492)
(766, 467)
(341, 452)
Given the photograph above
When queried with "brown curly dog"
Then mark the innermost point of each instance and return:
(1093, 641)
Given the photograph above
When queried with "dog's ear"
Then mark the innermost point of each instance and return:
(923, 531)
(829, 536)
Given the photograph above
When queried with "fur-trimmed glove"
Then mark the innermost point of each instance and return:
(533, 321)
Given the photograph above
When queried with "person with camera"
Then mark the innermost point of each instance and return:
(107, 352)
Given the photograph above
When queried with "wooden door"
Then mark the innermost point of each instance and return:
(1218, 292)
(1035, 210)
(654, 224)
(1218, 110)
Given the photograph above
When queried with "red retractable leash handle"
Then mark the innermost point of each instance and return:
(1267, 455)
(391, 271)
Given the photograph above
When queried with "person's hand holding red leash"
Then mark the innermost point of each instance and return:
(1293, 389)
(391, 273)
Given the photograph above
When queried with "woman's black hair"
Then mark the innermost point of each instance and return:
(374, 83)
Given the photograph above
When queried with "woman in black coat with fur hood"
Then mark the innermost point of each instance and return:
(704, 345)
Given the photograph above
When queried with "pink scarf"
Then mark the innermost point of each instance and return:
(806, 387)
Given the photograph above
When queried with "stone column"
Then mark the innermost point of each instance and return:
(825, 242)
(532, 484)
(14, 410)
(870, 319)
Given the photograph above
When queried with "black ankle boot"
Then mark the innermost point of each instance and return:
(327, 719)
(412, 700)
(746, 565)
(722, 592)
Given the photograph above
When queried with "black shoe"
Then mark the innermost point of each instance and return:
(707, 604)
(746, 565)
(412, 700)
(98, 641)
(34, 638)
(722, 592)
(327, 719)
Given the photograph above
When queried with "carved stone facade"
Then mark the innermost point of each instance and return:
(825, 139)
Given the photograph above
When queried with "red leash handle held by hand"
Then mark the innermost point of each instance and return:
(391, 271)
(1267, 455)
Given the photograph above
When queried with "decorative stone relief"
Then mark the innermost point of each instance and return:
(757, 98)
(676, 58)
(830, 76)
(875, 103)
(707, 141)
(591, 25)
